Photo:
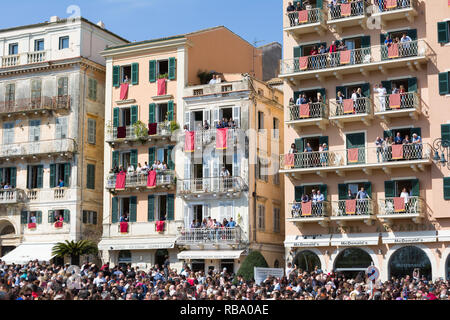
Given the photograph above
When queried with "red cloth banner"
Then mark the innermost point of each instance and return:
(353, 155)
(32, 225)
(399, 204)
(350, 206)
(394, 101)
(303, 61)
(123, 91)
(345, 56)
(121, 132)
(303, 16)
(346, 9)
(221, 138)
(306, 208)
(390, 4)
(393, 50)
(189, 141)
(289, 160)
(151, 179)
(120, 180)
(162, 90)
(159, 226)
(152, 129)
(124, 227)
(304, 110)
(397, 151)
(58, 224)
(348, 106)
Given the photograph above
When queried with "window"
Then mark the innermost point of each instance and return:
(444, 80)
(36, 88)
(447, 188)
(163, 68)
(63, 86)
(39, 45)
(90, 181)
(260, 120)
(53, 215)
(35, 130)
(198, 92)
(31, 217)
(276, 168)
(61, 128)
(406, 259)
(443, 32)
(60, 175)
(8, 133)
(10, 94)
(9, 176)
(276, 128)
(276, 219)
(13, 49)
(92, 125)
(92, 89)
(307, 260)
(89, 217)
(261, 217)
(262, 169)
(63, 43)
(35, 176)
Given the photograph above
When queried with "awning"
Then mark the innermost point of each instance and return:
(319, 240)
(409, 237)
(444, 235)
(355, 239)
(137, 244)
(210, 254)
(27, 252)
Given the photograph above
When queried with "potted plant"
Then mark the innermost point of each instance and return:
(140, 130)
(163, 76)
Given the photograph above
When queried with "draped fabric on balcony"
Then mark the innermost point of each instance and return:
(393, 50)
(394, 101)
(399, 204)
(397, 151)
(345, 56)
(303, 62)
(306, 208)
(123, 91)
(289, 160)
(58, 224)
(162, 87)
(303, 16)
(346, 9)
(304, 110)
(120, 181)
(189, 141)
(151, 179)
(124, 227)
(350, 206)
(152, 129)
(159, 226)
(353, 155)
(348, 106)
(32, 225)
(391, 4)
(221, 139)
(121, 132)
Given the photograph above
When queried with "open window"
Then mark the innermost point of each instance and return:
(162, 208)
(163, 68)
(35, 177)
(8, 176)
(125, 117)
(125, 74)
(161, 112)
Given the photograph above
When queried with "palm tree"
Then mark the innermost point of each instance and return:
(74, 249)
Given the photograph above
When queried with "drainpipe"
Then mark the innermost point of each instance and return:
(81, 160)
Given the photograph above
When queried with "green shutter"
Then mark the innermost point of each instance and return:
(170, 110)
(90, 176)
(24, 217)
(134, 158)
(152, 70)
(323, 140)
(343, 90)
(51, 216)
(444, 87)
(384, 49)
(66, 216)
(114, 210)
(170, 162)
(67, 171)
(447, 188)
(151, 208)
(417, 131)
(151, 113)
(365, 88)
(40, 176)
(323, 190)
(39, 217)
(299, 145)
(342, 191)
(412, 33)
(28, 177)
(299, 190)
(134, 73)
(297, 52)
(134, 114)
(170, 207)
(1, 175)
(115, 117)
(116, 76)
(133, 209)
(388, 133)
(296, 95)
(13, 177)
(442, 32)
(389, 189)
(115, 159)
(445, 134)
(415, 190)
(53, 176)
(387, 85)
(319, 4)
(365, 42)
(151, 156)
(355, 140)
(172, 67)
(368, 188)
(382, 38)
(412, 84)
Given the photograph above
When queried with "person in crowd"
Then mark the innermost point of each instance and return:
(293, 149)
(124, 217)
(382, 94)
(130, 169)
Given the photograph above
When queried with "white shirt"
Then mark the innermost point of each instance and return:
(354, 96)
(405, 195)
(130, 169)
(381, 91)
(212, 81)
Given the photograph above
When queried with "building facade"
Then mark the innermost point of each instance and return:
(384, 204)
(52, 115)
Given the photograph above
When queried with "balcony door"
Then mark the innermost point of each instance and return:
(34, 135)
(356, 141)
(8, 133)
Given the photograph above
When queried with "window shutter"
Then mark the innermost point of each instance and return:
(134, 158)
(236, 116)
(40, 176)
(170, 207)
(387, 133)
(412, 34)
(297, 52)
(319, 4)
(1, 175)
(28, 177)
(342, 191)
(412, 85)
(151, 113)
(39, 217)
(53, 176)
(92, 129)
(67, 170)
(298, 193)
(296, 95)
(133, 209)
(172, 68)
(151, 156)
(134, 114)
(368, 188)
(366, 90)
(444, 87)
(382, 38)
(66, 216)
(445, 134)
(85, 217)
(442, 32)
(415, 190)
(24, 217)
(323, 140)
(151, 208)
(51, 216)
(387, 85)
(324, 190)
(134, 73)
(114, 210)
(170, 110)
(343, 90)
(115, 159)
(116, 76)
(94, 217)
(152, 70)
(115, 117)
(389, 189)
(13, 177)
(365, 42)
(299, 145)
(90, 176)
(447, 188)
(90, 88)
(170, 162)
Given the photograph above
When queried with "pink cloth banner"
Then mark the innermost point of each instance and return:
(189, 141)
(152, 129)
(151, 179)
(303, 16)
(306, 208)
(120, 180)
(221, 139)
(124, 227)
(159, 226)
(58, 224)
(162, 87)
(399, 204)
(345, 56)
(394, 101)
(348, 106)
(397, 151)
(393, 50)
(123, 91)
(303, 61)
(32, 225)
(289, 160)
(121, 132)
(353, 155)
(350, 206)
(346, 9)
(390, 4)
(304, 110)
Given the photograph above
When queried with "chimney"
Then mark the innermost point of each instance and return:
(101, 24)
(54, 19)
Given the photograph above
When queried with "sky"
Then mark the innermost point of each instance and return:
(137, 20)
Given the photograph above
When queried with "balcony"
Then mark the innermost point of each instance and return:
(348, 15)
(203, 138)
(353, 210)
(396, 208)
(165, 180)
(38, 149)
(364, 60)
(118, 135)
(351, 111)
(24, 59)
(306, 115)
(413, 156)
(12, 196)
(310, 213)
(394, 10)
(305, 22)
(213, 188)
(398, 106)
(35, 106)
(216, 237)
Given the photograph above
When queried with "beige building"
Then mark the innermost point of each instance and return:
(400, 220)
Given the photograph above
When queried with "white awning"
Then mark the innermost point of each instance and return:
(320, 240)
(355, 239)
(444, 235)
(210, 254)
(137, 244)
(408, 237)
(26, 252)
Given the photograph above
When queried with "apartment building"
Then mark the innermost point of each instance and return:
(145, 84)
(52, 114)
(233, 178)
(384, 204)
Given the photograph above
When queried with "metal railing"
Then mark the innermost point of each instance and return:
(316, 110)
(139, 180)
(211, 184)
(314, 15)
(11, 196)
(40, 147)
(356, 8)
(360, 106)
(386, 5)
(214, 235)
(412, 205)
(318, 210)
(130, 133)
(35, 104)
(371, 155)
(362, 207)
(408, 100)
(361, 56)
(204, 137)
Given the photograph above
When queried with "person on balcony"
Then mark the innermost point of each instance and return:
(359, 106)
(299, 6)
(388, 41)
(295, 210)
(320, 198)
(231, 223)
(125, 79)
(402, 92)
(139, 169)
(301, 99)
(61, 183)
(305, 198)
(350, 195)
(291, 13)
(339, 103)
(395, 90)
(323, 150)
(314, 201)
(382, 93)
(293, 149)
(362, 205)
(322, 62)
(130, 169)
(313, 59)
(6, 186)
(121, 169)
(213, 80)
(206, 125)
(379, 148)
(405, 195)
(145, 167)
(124, 217)
(333, 55)
(405, 45)
(308, 156)
(398, 138)
(417, 142)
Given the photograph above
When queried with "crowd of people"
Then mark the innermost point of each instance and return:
(412, 147)
(140, 170)
(209, 223)
(35, 281)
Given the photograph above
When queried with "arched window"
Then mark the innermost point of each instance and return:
(352, 262)
(8, 229)
(307, 260)
(405, 260)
